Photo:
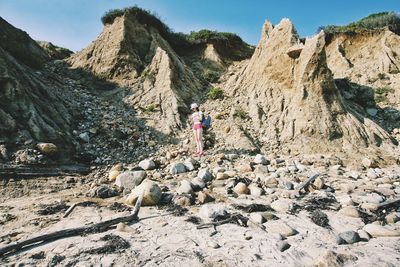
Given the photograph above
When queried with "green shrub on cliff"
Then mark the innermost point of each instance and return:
(373, 21)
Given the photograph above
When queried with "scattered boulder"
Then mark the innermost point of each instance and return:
(84, 137)
(222, 176)
(27, 156)
(257, 218)
(147, 164)
(241, 189)
(261, 169)
(282, 245)
(333, 259)
(387, 192)
(255, 190)
(354, 175)
(373, 198)
(349, 211)
(279, 227)
(271, 182)
(112, 175)
(48, 149)
(213, 244)
(198, 184)
(364, 236)
(348, 237)
(345, 200)
(377, 230)
(210, 212)
(231, 156)
(288, 185)
(151, 194)
(260, 159)
(117, 167)
(369, 163)
(392, 218)
(185, 188)
(248, 235)
(103, 191)
(183, 200)
(191, 164)
(231, 173)
(348, 187)
(282, 205)
(319, 183)
(130, 179)
(205, 175)
(371, 173)
(369, 206)
(269, 216)
(217, 170)
(204, 197)
(245, 168)
(277, 161)
(177, 168)
(122, 227)
(293, 168)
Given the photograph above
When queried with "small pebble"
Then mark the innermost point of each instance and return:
(213, 244)
(283, 245)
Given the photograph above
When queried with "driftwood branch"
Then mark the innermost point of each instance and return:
(95, 228)
(206, 225)
(236, 217)
(70, 209)
(388, 203)
(307, 182)
(26, 171)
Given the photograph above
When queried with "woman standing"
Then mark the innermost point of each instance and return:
(197, 118)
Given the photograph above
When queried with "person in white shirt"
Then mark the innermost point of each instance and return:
(197, 118)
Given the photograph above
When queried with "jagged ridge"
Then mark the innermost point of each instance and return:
(147, 64)
(296, 102)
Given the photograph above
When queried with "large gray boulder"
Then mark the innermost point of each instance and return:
(130, 179)
(147, 164)
(210, 212)
(260, 159)
(205, 175)
(177, 168)
(185, 188)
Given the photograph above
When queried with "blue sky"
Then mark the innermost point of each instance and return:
(75, 23)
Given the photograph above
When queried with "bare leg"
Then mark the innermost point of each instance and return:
(200, 140)
(196, 140)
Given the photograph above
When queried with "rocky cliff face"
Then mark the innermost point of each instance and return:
(284, 98)
(54, 52)
(18, 44)
(294, 101)
(31, 106)
(362, 56)
(137, 56)
(370, 58)
(168, 87)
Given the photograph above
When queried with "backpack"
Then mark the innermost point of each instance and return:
(206, 122)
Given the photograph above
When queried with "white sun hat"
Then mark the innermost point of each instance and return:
(193, 105)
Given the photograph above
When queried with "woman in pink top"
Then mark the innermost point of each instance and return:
(197, 117)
